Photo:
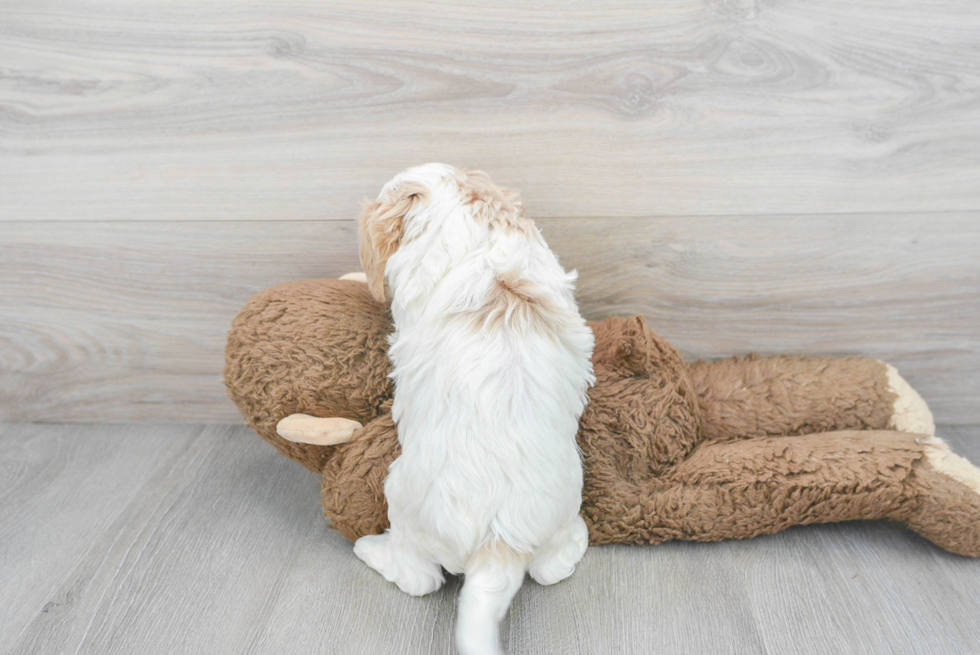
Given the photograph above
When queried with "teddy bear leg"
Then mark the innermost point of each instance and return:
(756, 486)
(743, 488)
(790, 395)
(556, 560)
(747, 487)
(397, 562)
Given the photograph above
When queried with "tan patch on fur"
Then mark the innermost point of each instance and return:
(518, 304)
(496, 206)
(381, 230)
(497, 553)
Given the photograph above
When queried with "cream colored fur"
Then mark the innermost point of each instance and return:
(946, 461)
(303, 428)
(911, 411)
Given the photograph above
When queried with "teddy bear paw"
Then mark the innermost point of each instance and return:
(303, 428)
(945, 461)
(911, 413)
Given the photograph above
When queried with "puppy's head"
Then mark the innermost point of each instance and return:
(399, 214)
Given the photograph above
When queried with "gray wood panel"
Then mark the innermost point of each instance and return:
(156, 110)
(127, 321)
(181, 539)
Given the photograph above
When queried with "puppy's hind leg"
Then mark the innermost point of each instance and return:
(397, 563)
(556, 560)
(494, 573)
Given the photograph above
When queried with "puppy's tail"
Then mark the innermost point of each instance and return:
(494, 573)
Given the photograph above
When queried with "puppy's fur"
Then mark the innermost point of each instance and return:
(491, 364)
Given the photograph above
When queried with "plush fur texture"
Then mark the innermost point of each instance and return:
(705, 451)
(491, 363)
(309, 347)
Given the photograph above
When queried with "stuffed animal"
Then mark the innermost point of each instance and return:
(671, 450)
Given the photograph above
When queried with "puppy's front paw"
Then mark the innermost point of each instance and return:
(413, 575)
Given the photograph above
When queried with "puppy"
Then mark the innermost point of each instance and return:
(491, 364)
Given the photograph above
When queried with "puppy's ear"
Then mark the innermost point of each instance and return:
(382, 226)
(495, 206)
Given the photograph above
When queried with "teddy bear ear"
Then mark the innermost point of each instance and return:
(314, 430)
(382, 227)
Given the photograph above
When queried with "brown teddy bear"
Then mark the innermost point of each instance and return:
(671, 450)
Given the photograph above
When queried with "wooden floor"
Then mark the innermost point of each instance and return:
(201, 539)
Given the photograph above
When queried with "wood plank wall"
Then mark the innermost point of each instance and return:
(772, 176)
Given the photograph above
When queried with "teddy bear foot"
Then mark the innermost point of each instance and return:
(556, 560)
(948, 500)
(911, 413)
(945, 461)
(413, 575)
(355, 277)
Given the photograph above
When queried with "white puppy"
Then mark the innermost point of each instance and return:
(491, 364)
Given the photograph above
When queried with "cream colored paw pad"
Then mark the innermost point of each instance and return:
(947, 462)
(911, 411)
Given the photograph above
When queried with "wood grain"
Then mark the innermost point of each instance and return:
(189, 539)
(779, 177)
(127, 321)
(61, 490)
(183, 568)
(295, 111)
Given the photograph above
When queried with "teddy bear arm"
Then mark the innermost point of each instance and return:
(352, 481)
(791, 395)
